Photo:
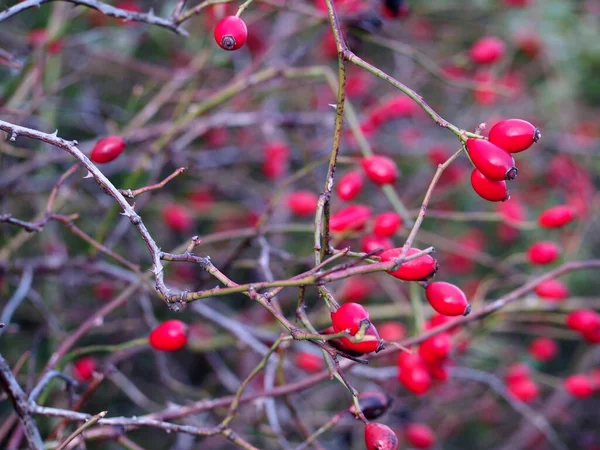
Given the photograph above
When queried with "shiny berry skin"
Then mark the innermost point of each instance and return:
(556, 217)
(107, 149)
(439, 320)
(419, 435)
(436, 349)
(493, 162)
(488, 189)
(409, 361)
(309, 362)
(525, 390)
(438, 372)
(380, 169)
(231, 33)
(371, 343)
(415, 379)
(544, 252)
(418, 269)
(349, 317)
(447, 299)
(579, 386)
(380, 437)
(372, 243)
(386, 224)
(302, 203)
(543, 349)
(373, 404)
(514, 135)
(350, 218)
(552, 290)
(487, 50)
(84, 368)
(169, 336)
(583, 321)
(177, 217)
(517, 372)
(350, 185)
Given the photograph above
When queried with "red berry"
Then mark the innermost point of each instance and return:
(349, 317)
(517, 372)
(525, 390)
(592, 337)
(380, 169)
(583, 320)
(418, 269)
(350, 218)
(169, 336)
(303, 203)
(275, 159)
(392, 331)
(556, 217)
(419, 435)
(107, 149)
(436, 349)
(517, 3)
(231, 33)
(408, 360)
(416, 379)
(380, 437)
(488, 189)
(177, 217)
(447, 299)
(309, 362)
(371, 243)
(514, 135)
(84, 368)
(438, 372)
(544, 252)
(439, 320)
(543, 349)
(487, 50)
(491, 160)
(386, 224)
(579, 386)
(350, 185)
(552, 290)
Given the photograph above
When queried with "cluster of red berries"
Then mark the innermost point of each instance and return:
(492, 158)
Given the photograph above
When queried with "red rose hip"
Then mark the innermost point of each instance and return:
(418, 269)
(583, 321)
(380, 169)
(419, 435)
(543, 349)
(350, 218)
(386, 224)
(552, 290)
(447, 299)
(514, 135)
(380, 437)
(544, 252)
(231, 33)
(556, 217)
(350, 185)
(107, 149)
(169, 336)
(302, 203)
(487, 189)
(492, 161)
(84, 368)
(487, 50)
(579, 386)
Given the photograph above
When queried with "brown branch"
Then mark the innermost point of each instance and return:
(131, 194)
(108, 10)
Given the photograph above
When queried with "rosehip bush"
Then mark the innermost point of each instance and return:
(315, 223)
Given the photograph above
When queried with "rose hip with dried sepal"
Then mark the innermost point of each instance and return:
(447, 299)
(514, 135)
(351, 317)
(380, 437)
(492, 161)
(231, 33)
